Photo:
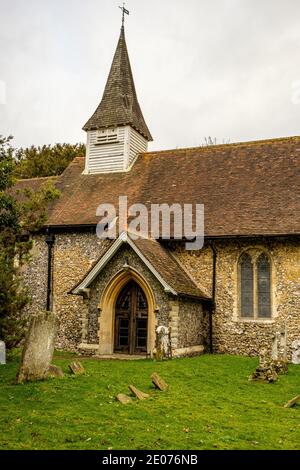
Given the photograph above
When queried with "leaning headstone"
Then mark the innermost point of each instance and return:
(296, 352)
(159, 383)
(76, 368)
(124, 399)
(139, 395)
(38, 349)
(292, 402)
(55, 372)
(2, 353)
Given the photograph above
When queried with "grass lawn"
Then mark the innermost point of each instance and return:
(210, 405)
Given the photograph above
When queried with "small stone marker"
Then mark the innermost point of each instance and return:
(38, 349)
(159, 383)
(292, 402)
(296, 352)
(139, 395)
(2, 353)
(76, 368)
(55, 372)
(124, 399)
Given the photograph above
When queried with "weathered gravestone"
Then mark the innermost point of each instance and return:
(2, 353)
(279, 348)
(292, 402)
(38, 349)
(296, 352)
(275, 346)
(124, 399)
(138, 393)
(159, 383)
(55, 372)
(76, 368)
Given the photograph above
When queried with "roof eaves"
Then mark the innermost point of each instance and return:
(165, 285)
(102, 262)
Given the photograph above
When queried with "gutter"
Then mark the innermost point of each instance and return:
(50, 240)
(92, 227)
(213, 305)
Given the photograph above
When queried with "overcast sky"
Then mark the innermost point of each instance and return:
(229, 69)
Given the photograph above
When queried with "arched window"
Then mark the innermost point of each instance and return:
(255, 286)
(264, 286)
(246, 269)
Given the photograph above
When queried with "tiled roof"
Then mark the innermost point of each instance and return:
(247, 189)
(35, 183)
(169, 268)
(119, 105)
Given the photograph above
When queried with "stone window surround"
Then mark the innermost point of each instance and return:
(254, 252)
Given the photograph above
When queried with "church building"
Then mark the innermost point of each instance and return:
(238, 294)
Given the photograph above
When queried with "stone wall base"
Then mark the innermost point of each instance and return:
(85, 349)
(190, 351)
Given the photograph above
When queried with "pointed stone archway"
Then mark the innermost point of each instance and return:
(107, 308)
(131, 320)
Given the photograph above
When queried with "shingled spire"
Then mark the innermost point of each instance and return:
(117, 132)
(119, 105)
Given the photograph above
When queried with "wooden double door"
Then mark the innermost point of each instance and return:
(131, 320)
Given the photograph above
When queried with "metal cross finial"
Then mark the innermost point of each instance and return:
(124, 11)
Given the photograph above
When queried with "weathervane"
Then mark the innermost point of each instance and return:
(124, 11)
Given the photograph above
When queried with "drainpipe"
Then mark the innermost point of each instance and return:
(50, 240)
(213, 307)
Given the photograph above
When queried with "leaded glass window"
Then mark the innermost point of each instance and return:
(246, 268)
(264, 286)
(255, 285)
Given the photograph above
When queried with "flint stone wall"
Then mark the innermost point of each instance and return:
(192, 324)
(231, 334)
(75, 253)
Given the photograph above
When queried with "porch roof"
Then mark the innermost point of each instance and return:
(163, 265)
